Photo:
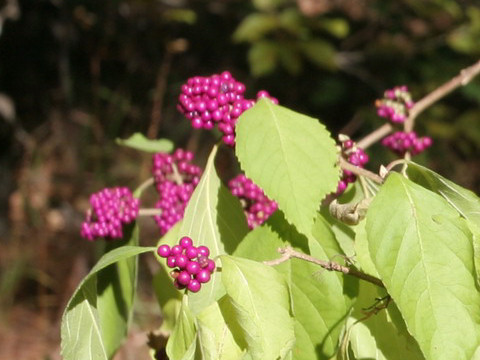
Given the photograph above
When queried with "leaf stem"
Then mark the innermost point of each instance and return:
(375, 136)
(288, 253)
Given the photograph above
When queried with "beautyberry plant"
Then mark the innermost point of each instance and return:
(293, 258)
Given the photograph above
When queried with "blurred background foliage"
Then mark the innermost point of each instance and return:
(77, 74)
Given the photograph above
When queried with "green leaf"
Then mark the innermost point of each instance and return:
(81, 329)
(290, 156)
(362, 254)
(215, 338)
(263, 57)
(140, 142)
(320, 52)
(254, 27)
(377, 336)
(116, 286)
(464, 201)
(261, 303)
(423, 251)
(181, 344)
(321, 300)
(214, 218)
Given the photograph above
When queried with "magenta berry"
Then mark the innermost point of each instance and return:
(184, 278)
(191, 252)
(191, 265)
(181, 261)
(402, 142)
(203, 250)
(171, 261)
(111, 208)
(395, 104)
(256, 205)
(194, 286)
(163, 251)
(175, 179)
(176, 250)
(210, 265)
(355, 156)
(186, 242)
(216, 100)
(203, 276)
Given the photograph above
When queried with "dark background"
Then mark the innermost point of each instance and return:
(76, 75)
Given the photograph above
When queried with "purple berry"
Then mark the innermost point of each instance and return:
(163, 251)
(176, 250)
(184, 278)
(185, 242)
(203, 276)
(193, 267)
(181, 261)
(171, 261)
(178, 285)
(194, 286)
(191, 252)
(203, 250)
(210, 265)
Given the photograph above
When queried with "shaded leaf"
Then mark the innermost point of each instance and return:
(81, 327)
(263, 57)
(116, 286)
(254, 27)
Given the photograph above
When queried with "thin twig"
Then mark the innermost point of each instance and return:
(462, 79)
(374, 136)
(149, 212)
(288, 253)
(147, 183)
(345, 165)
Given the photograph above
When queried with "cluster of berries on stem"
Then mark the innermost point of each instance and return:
(395, 104)
(216, 100)
(111, 208)
(175, 179)
(355, 156)
(256, 205)
(191, 265)
(402, 142)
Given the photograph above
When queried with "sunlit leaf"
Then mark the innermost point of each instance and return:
(140, 142)
(214, 218)
(268, 327)
(423, 251)
(290, 156)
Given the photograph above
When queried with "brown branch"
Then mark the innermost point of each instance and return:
(462, 79)
(345, 165)
(375, 135)
(288, 253)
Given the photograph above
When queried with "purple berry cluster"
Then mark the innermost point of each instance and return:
(256, 205)
(110, 209)
(191, 265)
(401, 142)
(355, 156)
(216, 100)
(395, 104)
(175, 179)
